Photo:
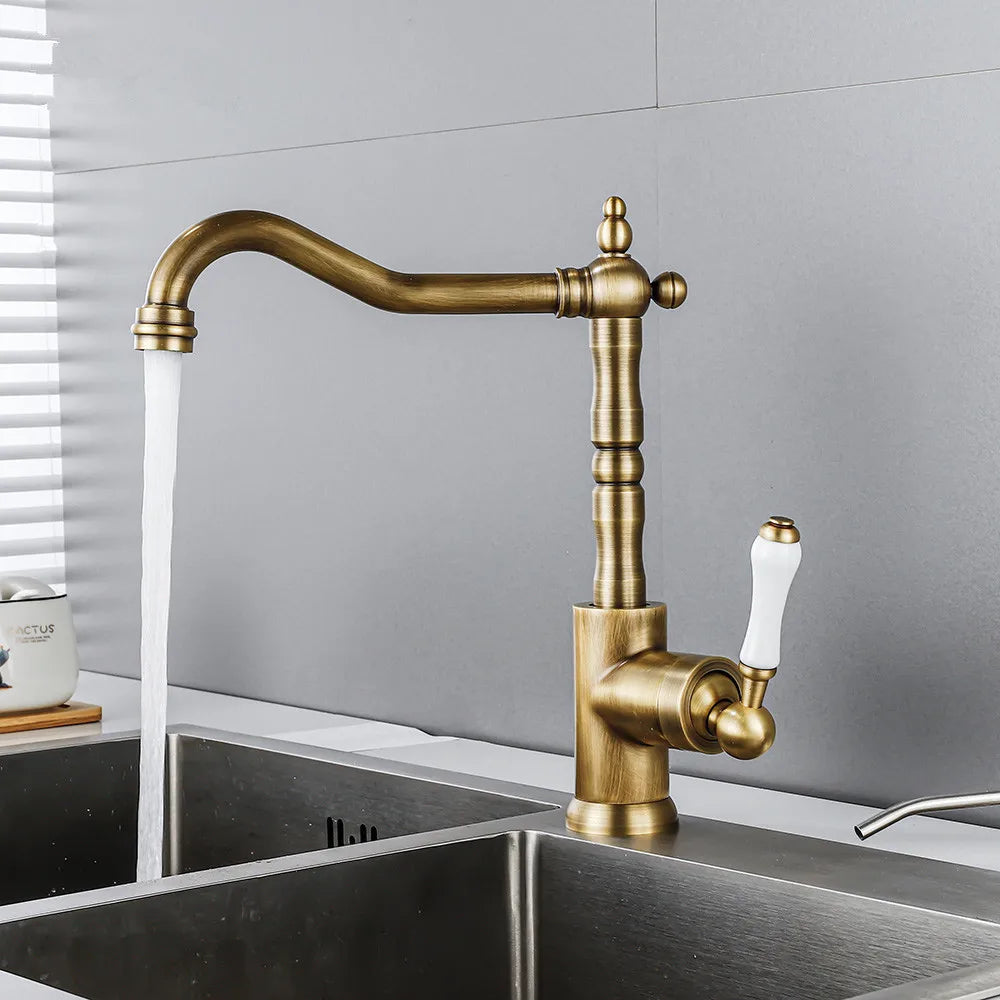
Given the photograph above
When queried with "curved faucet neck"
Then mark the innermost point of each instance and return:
(614, 285)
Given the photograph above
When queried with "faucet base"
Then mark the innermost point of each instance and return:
(621, 819)
(634, 701)
(611, 770)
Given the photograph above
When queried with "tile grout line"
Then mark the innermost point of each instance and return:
(656, 53)
(661, 416)
(823, 90)
(360, 139)
(531, 121)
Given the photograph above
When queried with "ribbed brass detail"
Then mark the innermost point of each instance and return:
(575, 291)
(619, 517)
(616, 417)
(617, 465)
(164, 338)
(164, 314)
(616, 430)
(164, 328)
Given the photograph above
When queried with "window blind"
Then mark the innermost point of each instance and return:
(31, 531)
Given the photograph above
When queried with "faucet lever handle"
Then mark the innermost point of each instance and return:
(745, 729)
(774, 558)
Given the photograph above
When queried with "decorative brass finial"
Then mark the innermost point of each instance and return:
(669, 290)
(614, 234)
(614, 206)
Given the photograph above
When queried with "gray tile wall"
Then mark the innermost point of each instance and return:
(413, 559)
(717, 50)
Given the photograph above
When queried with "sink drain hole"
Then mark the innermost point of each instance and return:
(337, 834)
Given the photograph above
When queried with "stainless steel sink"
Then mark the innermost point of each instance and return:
(68, 809)
(531, 913)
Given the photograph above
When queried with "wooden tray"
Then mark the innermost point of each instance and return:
(73, 713)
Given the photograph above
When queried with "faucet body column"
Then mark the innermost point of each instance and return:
(633, 698)
(622, 786)
(616, 429)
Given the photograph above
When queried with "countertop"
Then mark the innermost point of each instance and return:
(943, 840)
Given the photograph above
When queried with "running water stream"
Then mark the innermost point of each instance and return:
(163, 388)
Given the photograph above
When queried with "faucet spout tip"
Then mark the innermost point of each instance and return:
(161, 327)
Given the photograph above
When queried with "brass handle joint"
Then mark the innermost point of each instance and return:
(687, 701)
(743, 727)
(659, 698)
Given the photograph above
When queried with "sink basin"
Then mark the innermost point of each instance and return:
(68, 809)
(532, 914)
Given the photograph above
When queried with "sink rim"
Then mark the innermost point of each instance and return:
(974, 982)
(548, 799)
(541, 801)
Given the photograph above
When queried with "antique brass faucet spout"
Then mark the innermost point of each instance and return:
(634, 699)
(618, 288)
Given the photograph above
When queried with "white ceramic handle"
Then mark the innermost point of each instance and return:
(773, 565)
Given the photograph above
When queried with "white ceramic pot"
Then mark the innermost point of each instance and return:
(38, 661)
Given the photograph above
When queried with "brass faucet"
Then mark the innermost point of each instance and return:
(634, 699)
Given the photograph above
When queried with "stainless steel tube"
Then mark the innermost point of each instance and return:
(932, 803)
